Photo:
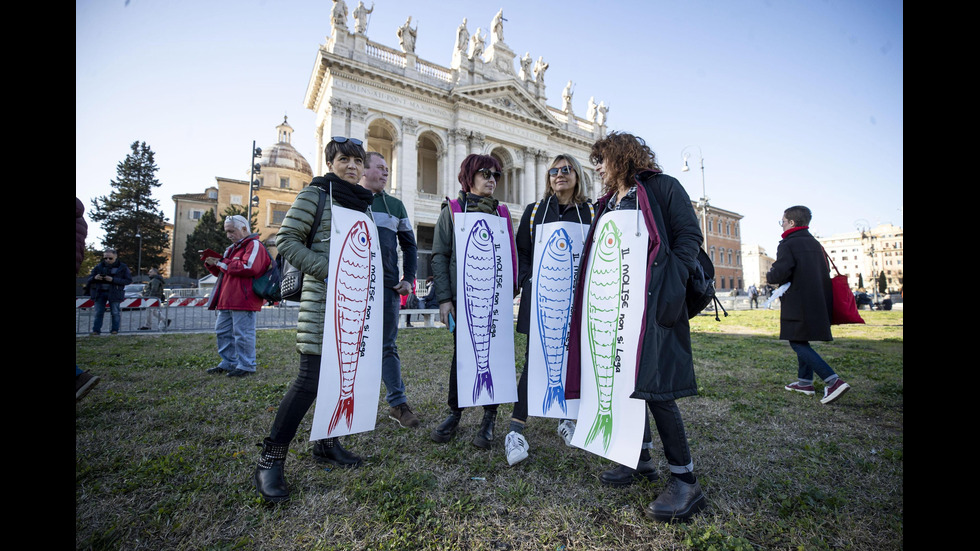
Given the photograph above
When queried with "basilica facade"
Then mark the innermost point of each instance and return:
(426, 118)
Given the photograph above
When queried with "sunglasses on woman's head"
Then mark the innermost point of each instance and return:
(487, 173)
(562, 169)
(342, 139)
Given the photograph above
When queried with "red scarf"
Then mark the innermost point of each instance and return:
(791, 230)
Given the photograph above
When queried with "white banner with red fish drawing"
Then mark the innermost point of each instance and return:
(610, 423)
(350, 364)
(557, 256)
(485, 371)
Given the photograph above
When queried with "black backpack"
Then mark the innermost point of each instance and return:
(700, 284)
(267, 285)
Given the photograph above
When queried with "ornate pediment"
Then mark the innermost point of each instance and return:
(507, 97)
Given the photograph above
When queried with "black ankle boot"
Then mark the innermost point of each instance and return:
(269, 479)
(484, 436)
(447, 429)
(330, 451)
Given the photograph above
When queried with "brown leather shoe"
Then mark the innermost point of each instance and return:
(404, 416)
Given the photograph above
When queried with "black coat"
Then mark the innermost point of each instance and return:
(805, 308)
(548, 211)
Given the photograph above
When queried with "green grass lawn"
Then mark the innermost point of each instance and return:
(164, 455)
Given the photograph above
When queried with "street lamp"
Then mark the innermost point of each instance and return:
(253, 185)
(865, 228)
(703, 201)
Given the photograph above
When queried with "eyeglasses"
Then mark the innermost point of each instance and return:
(561, 169)
(342, 139)
(487, 173)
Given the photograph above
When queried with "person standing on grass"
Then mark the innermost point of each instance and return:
(394, 230)
(234, 299)
(807, 305)
(108, 284)
(154, 289)
(345, 164)
(632, 180)
(564, 201)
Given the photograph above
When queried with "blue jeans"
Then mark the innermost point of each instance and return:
(811, 362)
(391, 364)
(236, 339)
(114, 314)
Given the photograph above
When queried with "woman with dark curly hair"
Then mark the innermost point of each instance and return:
(478, 177)
(631, 179)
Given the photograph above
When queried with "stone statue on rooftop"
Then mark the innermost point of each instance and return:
(539, 68)
(476, 44)
(361, 17)
(462, 37)
(338, 16)
(406, 36)
(497, 27)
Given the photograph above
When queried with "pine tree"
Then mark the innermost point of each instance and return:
(208, 234)
(131, 210)
(882, 283)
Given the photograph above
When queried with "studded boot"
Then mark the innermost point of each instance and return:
(330, 451)
(269, 479)
(484, 436)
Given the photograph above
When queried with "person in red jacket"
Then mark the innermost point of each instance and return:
(234, 299)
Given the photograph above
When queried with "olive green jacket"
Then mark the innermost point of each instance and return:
(314, 262)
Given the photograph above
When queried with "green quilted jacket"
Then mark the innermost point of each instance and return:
(314, 263)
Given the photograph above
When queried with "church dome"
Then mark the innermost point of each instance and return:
(283, 154)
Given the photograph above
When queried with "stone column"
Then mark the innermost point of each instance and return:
(461, 149)
(358, 122)
(527, 186)
(477, 141)
(408, 157)
(336, 123)
(542, 159)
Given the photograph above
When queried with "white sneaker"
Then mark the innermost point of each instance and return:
(566, 429)
(516, 447)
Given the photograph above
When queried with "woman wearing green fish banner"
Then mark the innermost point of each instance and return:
(631, 179)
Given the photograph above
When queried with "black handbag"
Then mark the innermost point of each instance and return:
(291, 286)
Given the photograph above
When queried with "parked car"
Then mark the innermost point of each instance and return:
(134, 290)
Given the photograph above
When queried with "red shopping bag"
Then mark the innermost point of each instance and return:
(845, 308)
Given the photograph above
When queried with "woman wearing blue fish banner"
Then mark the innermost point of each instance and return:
(664, 366)
(473, 271)
(304, 241)
(549, 244)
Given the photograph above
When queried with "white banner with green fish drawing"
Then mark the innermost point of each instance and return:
(610, 423)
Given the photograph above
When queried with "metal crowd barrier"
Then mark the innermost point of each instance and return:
(183, 314)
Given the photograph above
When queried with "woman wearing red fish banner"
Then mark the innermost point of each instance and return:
(631, 179)
(478, 177)
(345, 162)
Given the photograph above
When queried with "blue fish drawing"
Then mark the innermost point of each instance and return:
(553, 290)
(603, 301)
(479, 279)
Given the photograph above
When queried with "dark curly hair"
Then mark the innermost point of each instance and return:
(623, 156)
(473, 163)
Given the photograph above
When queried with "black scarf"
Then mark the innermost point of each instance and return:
(345, 193)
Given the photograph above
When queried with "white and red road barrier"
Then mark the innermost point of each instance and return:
(146, 302)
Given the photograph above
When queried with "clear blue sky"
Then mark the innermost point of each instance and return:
(791, 102)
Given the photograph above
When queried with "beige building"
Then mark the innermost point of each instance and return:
(282, 174)
(867, 253)
(755, 266)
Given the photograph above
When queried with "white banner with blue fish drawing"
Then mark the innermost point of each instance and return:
(485, 371)
(350, 365)
(610, 423)
(557, 255)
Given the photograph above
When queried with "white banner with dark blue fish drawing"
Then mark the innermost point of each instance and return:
(350, 366)
(610, 423)
(485, 371)
(557, 256)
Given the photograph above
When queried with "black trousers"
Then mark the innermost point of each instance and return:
(297, 401)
